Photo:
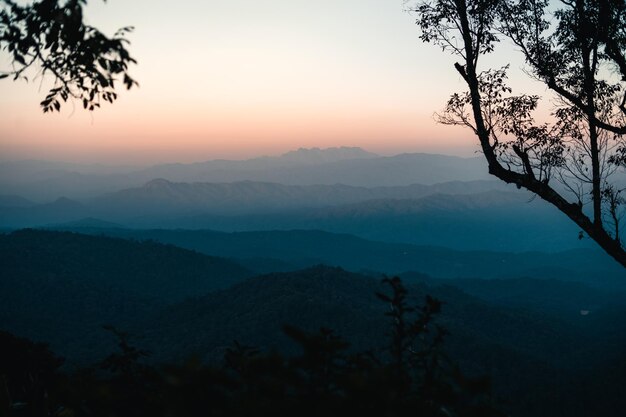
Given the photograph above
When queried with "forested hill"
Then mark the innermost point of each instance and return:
(147, 269)
(301, 248)
(62, 287)
(527, 354)
(254, 311)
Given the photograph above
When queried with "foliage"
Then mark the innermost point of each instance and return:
(27, 371)
(411, 378)
(52, 35)
(576, 48)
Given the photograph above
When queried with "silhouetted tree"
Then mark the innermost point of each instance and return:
(51, 35)
(27, 371)
(575, 47)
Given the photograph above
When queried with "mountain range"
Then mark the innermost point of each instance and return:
(187, 259)
(266, 251)
(42, 181)
(341, 190)
(165, 197)
(471, 214)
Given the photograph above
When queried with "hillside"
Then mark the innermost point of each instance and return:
(573, 301)
(254, 310)
(147, 269)
(300, 248)
(61, 287)
(527, 354)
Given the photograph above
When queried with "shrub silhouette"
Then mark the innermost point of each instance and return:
(410, 377)
(27, 371)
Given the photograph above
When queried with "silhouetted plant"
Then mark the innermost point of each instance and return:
(27, 371)
(127, 361)
(411, 377)
(52, 35)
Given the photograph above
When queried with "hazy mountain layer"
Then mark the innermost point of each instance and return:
(14, 201)
(459, 214)
(164, 198)
(44, 181)
(479, 214)
(401, 169)
(295, 249)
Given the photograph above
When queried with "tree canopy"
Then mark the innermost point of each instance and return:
(577, 49)
(51, 35)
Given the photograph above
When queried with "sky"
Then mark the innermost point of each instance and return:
(242, 78)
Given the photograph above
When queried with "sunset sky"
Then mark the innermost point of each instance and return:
(242, 78)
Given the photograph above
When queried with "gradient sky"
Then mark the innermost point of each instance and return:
(241, 78)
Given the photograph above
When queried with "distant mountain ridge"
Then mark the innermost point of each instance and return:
(14, 201)
(60, 210)
(171, 199)
(414, 198)
(41, 180)
(326, 155)
(161, 195)
(403, 169)
(462, 215)
(432, 202)
(86, 222)
(303, 248)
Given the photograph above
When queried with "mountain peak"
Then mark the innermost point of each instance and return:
(322, 155)
(157, 184)
(64, 202)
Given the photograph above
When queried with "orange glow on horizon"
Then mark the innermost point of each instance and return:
(240, 79)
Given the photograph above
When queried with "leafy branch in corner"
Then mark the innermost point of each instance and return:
(52, 36)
